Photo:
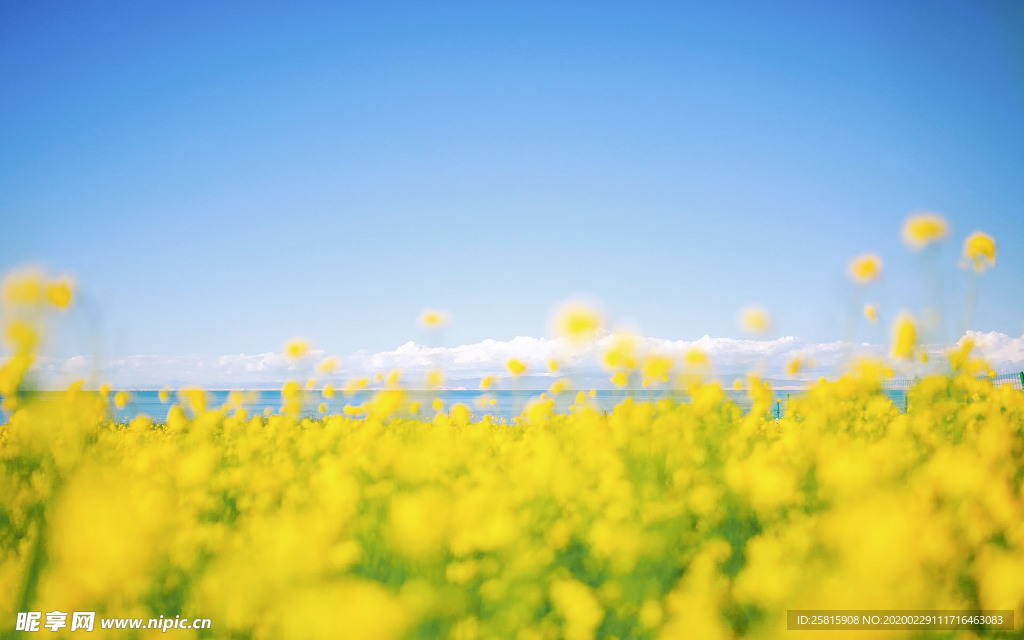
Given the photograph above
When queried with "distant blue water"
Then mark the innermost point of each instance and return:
(508, 404)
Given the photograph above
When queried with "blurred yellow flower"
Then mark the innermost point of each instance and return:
(621, 353)
(60, 292)
(21, 336)
(296, 349)
(904, 336)
(460, 414)
(577, 321)
(434, 378)
(354, 385)
(980, 250)
(433, 318)
(559, 386)
(755, 319)
(922, 229)
(23, 287)
(516, 367)
(579, 608)
(328, 365)
(656, 368)
(393, 378)
(871, 313)
(697, 358)
(865, 268)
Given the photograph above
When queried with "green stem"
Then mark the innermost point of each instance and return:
(36, 561)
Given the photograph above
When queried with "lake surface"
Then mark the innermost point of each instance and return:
(507, 403)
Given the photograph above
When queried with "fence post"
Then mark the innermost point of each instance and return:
(1022, 380)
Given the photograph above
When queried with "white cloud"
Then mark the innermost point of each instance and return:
(469, 362)
(1005, 353)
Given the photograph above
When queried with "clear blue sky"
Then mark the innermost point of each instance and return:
(221, 176)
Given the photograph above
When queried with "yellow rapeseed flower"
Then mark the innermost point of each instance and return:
(393, 378)
(798, 364)
(23, 287)
(696, 359)
(433, 318)
(579, 608)
(328, 365)
(871, 313)
(980, 250)
(621, 353)
(578, 322)
(60, 292)
(922, 229)
(516, 367)
(904, 336)
(755, 319)
(865, 268)
(559, 386)
(354, 385)
(434, 378)
(21, 336)
(296, 349)
(656, 368)
(460, 414)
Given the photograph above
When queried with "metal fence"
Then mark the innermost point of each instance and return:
(898, 391)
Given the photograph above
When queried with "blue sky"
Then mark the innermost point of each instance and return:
(220, 177)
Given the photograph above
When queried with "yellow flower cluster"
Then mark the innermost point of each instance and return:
(980, 250)
(26, 297)
(923, 229)
(658, 520)
(678, 517)
(866, 268)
